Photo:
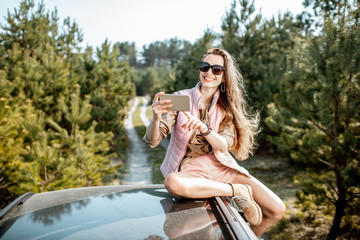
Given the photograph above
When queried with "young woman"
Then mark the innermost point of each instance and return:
(197, 163)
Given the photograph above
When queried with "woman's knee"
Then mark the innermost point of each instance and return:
(174, 185)
(278, 211)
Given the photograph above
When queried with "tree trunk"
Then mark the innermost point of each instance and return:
(340, 206)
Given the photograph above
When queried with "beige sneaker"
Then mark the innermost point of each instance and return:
(244, 199)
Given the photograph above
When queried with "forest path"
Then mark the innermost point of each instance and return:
(139, 170)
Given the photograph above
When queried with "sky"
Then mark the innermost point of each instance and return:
(147, 21)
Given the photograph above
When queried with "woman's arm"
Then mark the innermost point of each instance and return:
(153, 133)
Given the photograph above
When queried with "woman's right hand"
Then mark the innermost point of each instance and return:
(160, 107)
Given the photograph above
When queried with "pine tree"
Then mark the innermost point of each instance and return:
(231, 30)
(127, 52)
(11, 150)
(148, 82)
(176, 50)
(85, 153)
(34, 55)
(50, 137)
(261, 47)
(187, 70)
(317, 112)
(113, 90)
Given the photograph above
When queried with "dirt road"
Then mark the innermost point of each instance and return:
(138, 169)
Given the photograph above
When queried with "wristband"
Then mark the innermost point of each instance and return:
(207, 132)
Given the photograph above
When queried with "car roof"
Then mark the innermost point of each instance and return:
(111, 212)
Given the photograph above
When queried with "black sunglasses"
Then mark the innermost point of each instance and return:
(216, 69)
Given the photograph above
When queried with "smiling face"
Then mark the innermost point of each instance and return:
(208, 79)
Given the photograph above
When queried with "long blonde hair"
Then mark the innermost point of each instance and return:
(235, 106)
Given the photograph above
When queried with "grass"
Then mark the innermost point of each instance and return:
(274, 172)
(149, 112)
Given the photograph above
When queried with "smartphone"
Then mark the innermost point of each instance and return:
(179, 102)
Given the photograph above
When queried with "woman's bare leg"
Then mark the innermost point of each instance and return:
(273, 208)
(186, 185)
(189, 186)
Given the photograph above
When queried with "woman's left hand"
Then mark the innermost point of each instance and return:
(194, 123)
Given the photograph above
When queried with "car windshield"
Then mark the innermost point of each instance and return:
(133, 214)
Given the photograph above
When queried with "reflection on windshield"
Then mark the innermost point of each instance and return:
(190, 220)
(56, 213)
